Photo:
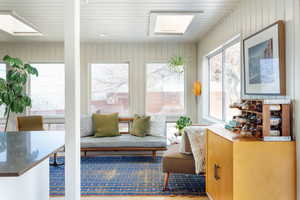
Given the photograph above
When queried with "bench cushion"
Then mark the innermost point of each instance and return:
(124, 140)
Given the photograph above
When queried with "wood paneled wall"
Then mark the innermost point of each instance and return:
(137, 54)
(249, 17)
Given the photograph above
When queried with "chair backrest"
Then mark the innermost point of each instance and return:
(30, 123)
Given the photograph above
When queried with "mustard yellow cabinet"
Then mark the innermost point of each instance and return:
(244, 169)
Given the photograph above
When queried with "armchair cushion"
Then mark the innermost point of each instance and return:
(176, 162)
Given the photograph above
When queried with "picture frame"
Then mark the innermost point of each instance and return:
(264, 61)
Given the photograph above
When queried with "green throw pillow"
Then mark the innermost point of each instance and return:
(140, 126)
(106, 125)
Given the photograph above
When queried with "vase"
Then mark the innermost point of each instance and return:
(180, 132)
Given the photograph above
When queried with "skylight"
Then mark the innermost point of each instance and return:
(170, 23)
(13, 24)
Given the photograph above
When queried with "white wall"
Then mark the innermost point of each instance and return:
(137, 54)
(249, 17)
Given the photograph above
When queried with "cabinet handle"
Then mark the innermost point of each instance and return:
(216, 169)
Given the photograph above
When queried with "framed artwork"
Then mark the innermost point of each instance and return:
(264, 61)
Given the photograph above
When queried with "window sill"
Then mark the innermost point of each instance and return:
(212, 121)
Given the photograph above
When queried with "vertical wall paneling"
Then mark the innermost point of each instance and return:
(137, 54)
(253, 15)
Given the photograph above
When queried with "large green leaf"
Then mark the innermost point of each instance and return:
(5, 98)
(8, 60)
(18, 89)
(18, 63)
(31, 70)
(2, 84)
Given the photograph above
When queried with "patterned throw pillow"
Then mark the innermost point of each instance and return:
(140, 126)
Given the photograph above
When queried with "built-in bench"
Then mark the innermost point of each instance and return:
(128, 142)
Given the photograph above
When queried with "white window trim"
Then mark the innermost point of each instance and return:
(220, 49)
(89, 85)
(48, 119)
(170, 118)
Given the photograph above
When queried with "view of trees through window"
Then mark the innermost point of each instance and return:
(165, 90)
(47, 91)
(232, 79)
(225, 82)
(215, 96)
(110, 88)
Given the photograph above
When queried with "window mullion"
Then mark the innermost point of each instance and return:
(223, 88)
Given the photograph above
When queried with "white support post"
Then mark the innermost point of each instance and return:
(72, 98)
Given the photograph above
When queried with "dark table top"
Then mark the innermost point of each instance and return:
(21, 151)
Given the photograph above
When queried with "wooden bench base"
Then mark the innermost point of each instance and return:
(154, 149)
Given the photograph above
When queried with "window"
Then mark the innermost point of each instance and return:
(110, 88)
(47, 91)
(165, 90)
(224, 81)
(2, 75)
(215, 91)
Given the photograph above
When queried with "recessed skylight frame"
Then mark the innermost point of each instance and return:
(13, 24)
(170, 22)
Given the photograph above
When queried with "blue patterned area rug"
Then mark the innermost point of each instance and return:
(126, 175)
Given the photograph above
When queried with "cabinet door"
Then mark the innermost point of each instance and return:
(219, 167)
(212, 184)
(225, 171)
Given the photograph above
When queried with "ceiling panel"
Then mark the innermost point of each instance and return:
(121, 20)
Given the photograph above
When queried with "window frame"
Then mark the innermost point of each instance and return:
(169, 118)
(89, 71)
(48, 119)
(222, 50)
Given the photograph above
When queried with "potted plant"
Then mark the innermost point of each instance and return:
(183, 122)
(12, 89)
(176, 64)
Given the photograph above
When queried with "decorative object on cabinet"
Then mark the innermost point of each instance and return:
(249, 169)
(264, 61)
(268, 119)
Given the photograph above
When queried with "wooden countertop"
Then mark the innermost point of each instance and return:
(21, 151)
(229, 135)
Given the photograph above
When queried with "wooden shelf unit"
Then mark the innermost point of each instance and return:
(285, 115)
(265, 127)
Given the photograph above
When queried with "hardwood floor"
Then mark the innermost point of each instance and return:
(139, 198)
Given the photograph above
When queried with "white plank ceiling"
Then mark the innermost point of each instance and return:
(121, 20)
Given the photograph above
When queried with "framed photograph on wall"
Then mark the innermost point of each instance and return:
(264, 61)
